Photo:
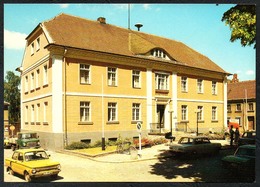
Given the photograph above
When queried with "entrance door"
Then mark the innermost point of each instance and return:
(160, 116)
(251, 122)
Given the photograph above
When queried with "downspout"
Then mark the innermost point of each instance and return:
(65, 101)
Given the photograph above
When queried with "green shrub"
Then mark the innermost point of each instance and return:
(77, 145)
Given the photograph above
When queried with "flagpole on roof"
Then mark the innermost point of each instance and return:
(246, 124)
(128, 16)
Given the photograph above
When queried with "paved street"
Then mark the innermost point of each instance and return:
(170, 169)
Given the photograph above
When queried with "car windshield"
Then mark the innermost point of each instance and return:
(28, 136)
(245, 152)
(185, 141)
(35, 155)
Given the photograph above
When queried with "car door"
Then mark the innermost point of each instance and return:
(17, 164)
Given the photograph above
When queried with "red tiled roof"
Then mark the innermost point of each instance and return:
(241, 90)
(72, 31)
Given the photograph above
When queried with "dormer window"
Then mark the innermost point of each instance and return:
(159, 54)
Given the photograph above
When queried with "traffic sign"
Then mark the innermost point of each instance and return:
(139, 126)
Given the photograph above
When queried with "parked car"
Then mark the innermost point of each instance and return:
(25, 140)
(195, 144)
(248, 137)
(6, 142)
(32, 163)
(242, 160)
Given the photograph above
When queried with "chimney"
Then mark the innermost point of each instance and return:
(138, 26)
(101, 20)
(235, 79)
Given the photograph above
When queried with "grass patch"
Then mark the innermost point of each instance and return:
(96, 150)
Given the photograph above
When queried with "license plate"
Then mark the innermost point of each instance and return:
(47, 172)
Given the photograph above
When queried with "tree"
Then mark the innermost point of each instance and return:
(12, 95)
(242, 22)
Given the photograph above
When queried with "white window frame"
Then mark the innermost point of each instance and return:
(112, 111)
(214, 113)
(184, 81)
(184, 112)
(162, 81)
(37, 78)
(136, 75)
(85, 111)
(250, 107)
(200, 113)
(32, 48)
(200, 86)
(86, 70)
(229, 108)
(32, 81)
(37, 113)
(26, 88)
(237, 108)
(136, 112)
(32, 114)
(26, 114)
(45, 109)
(214, 88)
(45, 74)
(38, 44)
(112, 76)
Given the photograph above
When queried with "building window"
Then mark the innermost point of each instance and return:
(37, 78)
(200, 113)
(159, 53)
(238, 119)
(37, 113)
(238, 107)
(26, 84)
(45, 75)
(45, 109)
(32, 81)
(184, 113)
(84, 74)
(214, 88)
(111, 74)
(32, 115)
(228, 108)
(112, 111)
(161, 81)
(200, 86)
(184, 87)
(136, 112)
(26, 115)
(136, 79)
(250, 107)
(32, 48)
(214, 113)
(84, 111)
(38, 44)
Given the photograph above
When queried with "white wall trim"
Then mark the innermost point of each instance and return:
(57, 97)
(38, 63)
(201, 101)
(149, 97)
(37, 97)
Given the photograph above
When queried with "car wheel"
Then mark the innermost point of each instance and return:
(10, 171)
(27, 177)
(13, 148)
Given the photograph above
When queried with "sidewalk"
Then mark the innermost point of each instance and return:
(154, 152)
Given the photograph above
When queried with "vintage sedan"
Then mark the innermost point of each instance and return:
(248, 137)
(242, 160)
(32, 163)
(195, 145)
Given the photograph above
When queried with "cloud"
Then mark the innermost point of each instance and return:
(14, 40)
(64, 5)
(121, 6)
(146, 6)
(250, 72)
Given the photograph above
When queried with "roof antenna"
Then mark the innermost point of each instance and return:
(139, 25)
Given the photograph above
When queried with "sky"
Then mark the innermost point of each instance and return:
(199, 26)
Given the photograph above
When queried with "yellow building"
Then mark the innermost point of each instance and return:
(6, 119)
(241, 106)
(82, 80)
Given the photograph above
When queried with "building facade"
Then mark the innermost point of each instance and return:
(242, 103)
(82, 80)
(6, 119)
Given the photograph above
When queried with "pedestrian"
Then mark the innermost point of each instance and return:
(237, 134)
(231, 131)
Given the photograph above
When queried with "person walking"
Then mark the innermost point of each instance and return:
(231, 131)
(237, 134)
